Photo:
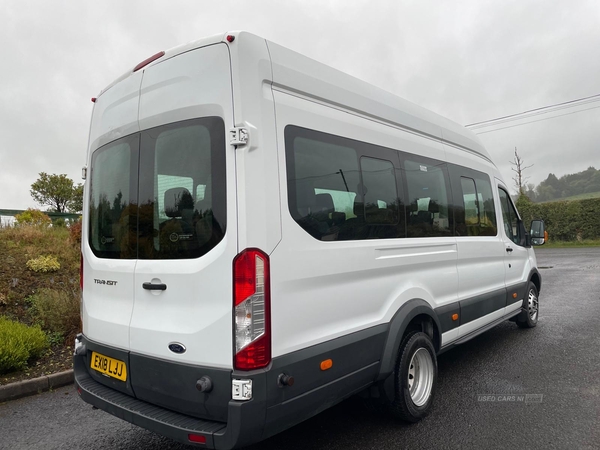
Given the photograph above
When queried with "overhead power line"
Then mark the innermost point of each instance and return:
(538, 120)
(536, 112)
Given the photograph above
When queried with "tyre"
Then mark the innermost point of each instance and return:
(415, 378)
(529, 318)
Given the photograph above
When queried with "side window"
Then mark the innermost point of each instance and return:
(428, 205)
(478, 203)
(337, 191)
(323, 182)
(471, 204)
(487, 209)
(509, 217)
(380, 192)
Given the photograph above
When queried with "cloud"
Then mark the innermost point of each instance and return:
(469, 61)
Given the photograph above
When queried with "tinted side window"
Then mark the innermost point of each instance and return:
(429, 209)
(337, 190)
(380, 192)
(479, 215)
(471, 205)
(487, 209)
(113, 200)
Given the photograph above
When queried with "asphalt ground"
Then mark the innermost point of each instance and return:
(508, 388)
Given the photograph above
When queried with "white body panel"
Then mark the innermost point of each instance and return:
(335, 288)
(107, 308)
(319, 290)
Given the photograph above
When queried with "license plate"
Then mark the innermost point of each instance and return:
(109, 366)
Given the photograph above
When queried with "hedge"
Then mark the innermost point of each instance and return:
(570, 220)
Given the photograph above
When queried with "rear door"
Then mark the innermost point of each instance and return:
(187, 219)
(109, 253)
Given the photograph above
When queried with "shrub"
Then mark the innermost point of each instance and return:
(33, 217)
(56, 311)
(43, 264)
(19, 343)
(75, 233)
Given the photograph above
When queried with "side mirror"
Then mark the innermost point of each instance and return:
(539, 235)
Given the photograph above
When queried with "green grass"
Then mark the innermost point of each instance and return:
(575, 197)
(572, 244)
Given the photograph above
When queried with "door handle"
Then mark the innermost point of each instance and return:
(154, 287)
(509, 249)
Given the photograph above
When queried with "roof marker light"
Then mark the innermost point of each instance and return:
(147, 61)
(230, 38)
(93, 99)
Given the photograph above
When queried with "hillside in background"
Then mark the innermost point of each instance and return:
(585, 184)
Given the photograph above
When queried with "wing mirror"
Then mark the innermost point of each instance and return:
(539, 235)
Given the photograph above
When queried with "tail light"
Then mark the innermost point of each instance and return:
(252, 310)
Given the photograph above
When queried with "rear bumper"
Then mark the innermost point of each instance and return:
(172, 424)
(226, 423)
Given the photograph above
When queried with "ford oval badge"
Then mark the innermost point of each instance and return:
(176, 347)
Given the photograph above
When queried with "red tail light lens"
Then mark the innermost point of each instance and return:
(252, 310)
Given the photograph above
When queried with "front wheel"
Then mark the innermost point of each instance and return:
(415, 378)
(529, 317)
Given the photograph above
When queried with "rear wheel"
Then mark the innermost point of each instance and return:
(529, 318)
(415, 378)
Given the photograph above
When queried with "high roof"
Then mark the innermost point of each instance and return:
(297, 73)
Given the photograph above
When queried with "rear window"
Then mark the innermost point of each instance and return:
(160, 194)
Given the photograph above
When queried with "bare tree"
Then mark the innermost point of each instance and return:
(518, 168)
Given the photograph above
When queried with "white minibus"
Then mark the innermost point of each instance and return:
(265, 236)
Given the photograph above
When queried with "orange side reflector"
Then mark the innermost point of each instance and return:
(514, 295)
(454, 316)
(327, 364)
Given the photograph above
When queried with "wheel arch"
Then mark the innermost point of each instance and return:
(411, 313)
(536, 278)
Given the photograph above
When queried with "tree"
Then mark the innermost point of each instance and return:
(55, 191)
(76, 203)
(519, 168)
(530, 192)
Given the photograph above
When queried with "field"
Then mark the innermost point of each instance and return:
(576, 197)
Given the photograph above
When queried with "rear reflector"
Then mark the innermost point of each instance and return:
(252, 310)
(147, 61)
(81, 272)
(197, 438)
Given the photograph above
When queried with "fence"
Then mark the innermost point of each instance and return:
(7, 216)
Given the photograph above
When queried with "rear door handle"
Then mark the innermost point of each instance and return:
(509, 249)
(154, 287)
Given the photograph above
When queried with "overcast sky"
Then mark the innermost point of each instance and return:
(469, 60)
